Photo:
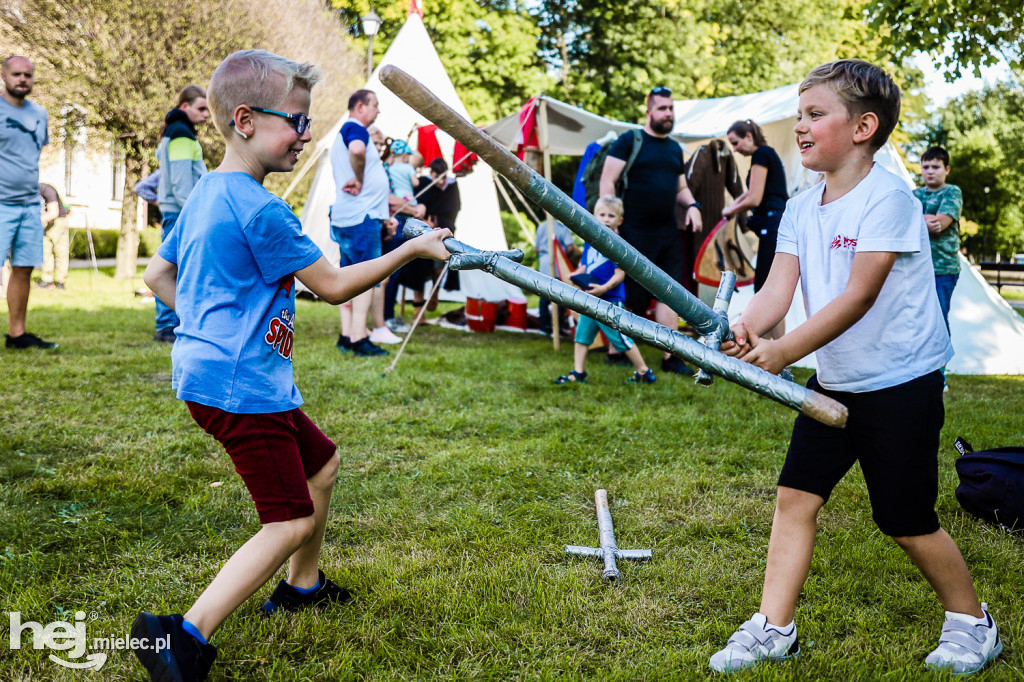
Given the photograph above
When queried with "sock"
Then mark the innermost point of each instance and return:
(194, 631)
(306, 590)
(784, 631)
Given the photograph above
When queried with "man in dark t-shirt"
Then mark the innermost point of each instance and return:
(656, 181)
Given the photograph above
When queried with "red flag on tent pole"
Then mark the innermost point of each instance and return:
(527, 137)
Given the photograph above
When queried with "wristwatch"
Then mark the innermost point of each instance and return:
(697, 204)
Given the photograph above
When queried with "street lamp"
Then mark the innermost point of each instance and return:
(371, 25)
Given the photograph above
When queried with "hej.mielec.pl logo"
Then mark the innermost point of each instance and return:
(72, 638)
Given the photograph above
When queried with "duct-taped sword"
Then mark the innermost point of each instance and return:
(502, 265)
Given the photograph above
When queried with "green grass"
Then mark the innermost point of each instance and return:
(464, 474)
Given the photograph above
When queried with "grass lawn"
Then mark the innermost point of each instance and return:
(464, 473)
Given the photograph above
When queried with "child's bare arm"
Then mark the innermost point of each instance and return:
(161, 276)
(937, 222)
(867, 275)
(337, 285)
(602, 289)
(770, 305)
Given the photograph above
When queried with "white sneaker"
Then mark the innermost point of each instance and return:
(754, 642)
(966, 645)
(384, 335)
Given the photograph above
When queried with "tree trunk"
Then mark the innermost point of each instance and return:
(128, 240)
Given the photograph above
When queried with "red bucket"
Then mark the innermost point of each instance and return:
(516, 315)
(481, 316)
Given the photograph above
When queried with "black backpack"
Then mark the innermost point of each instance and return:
(992, 484)
(592, 173)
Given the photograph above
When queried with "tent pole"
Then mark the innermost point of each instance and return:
(556, 330)
(519, 219)
(523, 200)
(572, 215)
(301, 174)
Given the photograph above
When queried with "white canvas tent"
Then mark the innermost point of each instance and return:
(701, 120)
(988, 335)
(479, 221)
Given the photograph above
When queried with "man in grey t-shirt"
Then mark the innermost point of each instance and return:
(23, 132)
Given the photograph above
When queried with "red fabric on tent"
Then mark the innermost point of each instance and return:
(463, 159)
(527, 136)
(426, 143)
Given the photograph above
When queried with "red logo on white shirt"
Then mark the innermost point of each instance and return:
(841, 242)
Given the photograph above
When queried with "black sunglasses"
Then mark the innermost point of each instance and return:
(300, 121)
(661, 91)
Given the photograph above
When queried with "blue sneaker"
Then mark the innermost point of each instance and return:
(169, 653)
(645, 378)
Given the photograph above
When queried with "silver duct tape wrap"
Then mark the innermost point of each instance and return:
(555, 202)
(608, 551)
(788, 393)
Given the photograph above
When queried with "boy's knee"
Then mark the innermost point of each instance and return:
(328, 473)
(299, 530)
(793, 502)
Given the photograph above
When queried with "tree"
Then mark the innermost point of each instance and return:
(123, 61)
(966, 34)
(489, 49)
(608, 59)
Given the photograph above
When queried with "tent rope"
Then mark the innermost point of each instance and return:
(415, 322)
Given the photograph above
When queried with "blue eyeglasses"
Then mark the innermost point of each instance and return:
(661, 91)
(300, 121)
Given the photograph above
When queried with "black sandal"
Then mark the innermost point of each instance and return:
(572, 377)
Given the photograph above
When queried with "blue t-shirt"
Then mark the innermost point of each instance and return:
(600, 268)
(236, 246)
(23, 133)
(402, 175)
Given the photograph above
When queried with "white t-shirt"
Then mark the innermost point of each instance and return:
(372, 199)
(902, 336)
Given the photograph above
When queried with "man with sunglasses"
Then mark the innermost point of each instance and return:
(359, 211)
(181, 165)
(654, 184)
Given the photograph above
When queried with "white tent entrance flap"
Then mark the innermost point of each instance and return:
(479, 221)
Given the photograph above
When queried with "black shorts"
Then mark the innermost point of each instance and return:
(662, 247)
(894, 434)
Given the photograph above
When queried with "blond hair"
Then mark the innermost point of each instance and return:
(614, 204)
(863, 88)
(257, 78)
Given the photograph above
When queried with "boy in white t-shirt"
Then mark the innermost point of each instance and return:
(858, 244)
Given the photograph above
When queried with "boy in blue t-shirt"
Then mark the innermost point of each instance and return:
(600, 277)
(229, 269)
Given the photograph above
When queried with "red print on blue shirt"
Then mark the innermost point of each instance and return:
(280, 334)
(841, 242)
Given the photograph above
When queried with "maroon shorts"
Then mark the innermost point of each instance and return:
(273, 453)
